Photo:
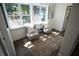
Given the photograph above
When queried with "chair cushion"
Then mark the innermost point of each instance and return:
(39, 27)
(30, 29)
(47, 30)
(32, 35)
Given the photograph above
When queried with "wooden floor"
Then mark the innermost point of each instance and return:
(45, 45)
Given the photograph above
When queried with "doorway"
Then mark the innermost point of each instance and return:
(67, 15)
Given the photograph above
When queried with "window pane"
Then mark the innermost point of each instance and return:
(26, 19)
(43, 13)
(25, 9)
(11, 8)
(14, 21)
(36, 9)
(43, 18)
(43, 10)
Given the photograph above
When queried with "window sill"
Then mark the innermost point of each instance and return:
(25, 25)
(17, 27)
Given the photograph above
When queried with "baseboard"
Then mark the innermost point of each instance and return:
(20, 38)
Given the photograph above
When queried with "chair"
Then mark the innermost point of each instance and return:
(32, 34)
(47, 29)
(39, 27)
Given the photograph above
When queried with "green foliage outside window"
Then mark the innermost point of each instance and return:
(11, 7)
(25, 9)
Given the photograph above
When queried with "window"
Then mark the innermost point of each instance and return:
(19, 15)
(43, 13)
(39, 13)
(12, 9)
(36, 9)
(25, 9)
(25, 12)
(26, 19)
(13, 16)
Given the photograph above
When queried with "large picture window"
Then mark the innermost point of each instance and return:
(19, 15)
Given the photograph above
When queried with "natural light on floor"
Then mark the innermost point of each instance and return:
(45, 35)
(56, 33)
(41, 37)
(29, 44)
(44, 39)
(49, 36)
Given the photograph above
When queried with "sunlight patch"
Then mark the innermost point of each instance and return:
(49, 36)
(45, 35)
(44, 39)
(56, 33)
(30, 46)
(27, 44)
(41, 37)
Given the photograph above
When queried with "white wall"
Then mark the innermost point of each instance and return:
(72, 31)
(18, 33)
(50, 14)
(59, 14)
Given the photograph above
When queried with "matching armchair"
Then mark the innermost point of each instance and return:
(39, 27)
(32, 34)
(47, 29)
